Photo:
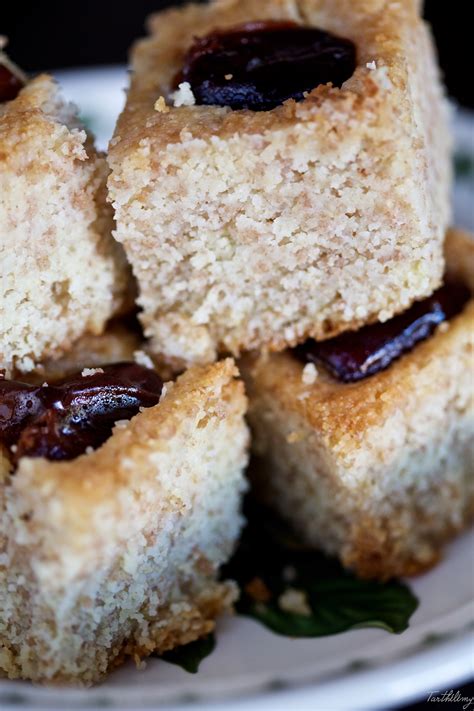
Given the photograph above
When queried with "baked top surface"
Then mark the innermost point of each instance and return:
(38, 113)
(337, 409)
(381, 30)
(122, 460)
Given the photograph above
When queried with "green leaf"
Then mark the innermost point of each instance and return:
(463, 165)
(271, 563)
(190, 656)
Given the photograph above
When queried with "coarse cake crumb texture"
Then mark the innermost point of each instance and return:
(379, 472)
(256, 229)
(117, 344)
(62, 274)
(115, 553)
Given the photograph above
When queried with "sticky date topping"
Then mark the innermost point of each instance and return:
(60, 421)
(355, 355)
(10, 84)
(260, 65)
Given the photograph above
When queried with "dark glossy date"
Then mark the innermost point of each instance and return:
(60, 421)
(260, 65)
(10, 84)
(356, 355)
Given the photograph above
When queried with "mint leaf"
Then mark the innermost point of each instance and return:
(190, 656)
(272, 567)
(463, 165)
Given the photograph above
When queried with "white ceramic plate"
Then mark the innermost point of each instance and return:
(254, 668)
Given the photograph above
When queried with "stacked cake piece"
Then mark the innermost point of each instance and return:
(364, 442)
(259, 225)
(62, 274)
(280, 178)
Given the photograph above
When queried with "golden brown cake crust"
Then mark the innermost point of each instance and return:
(375, 27)
(334, 408)
(388, 461)
(307, 220)
(90, 478)
(337, 409)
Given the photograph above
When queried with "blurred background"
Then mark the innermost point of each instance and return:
(56, 34)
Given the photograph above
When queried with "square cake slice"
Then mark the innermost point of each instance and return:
(62, 273)
(115, 553)
(378, 471)
(281, 170)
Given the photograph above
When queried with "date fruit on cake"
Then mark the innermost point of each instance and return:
(364, 442)
(281, 170)
(119, 499)
(62, 274)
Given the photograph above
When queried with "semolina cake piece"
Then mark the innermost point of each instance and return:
(119, 343)
(62, 274)
(379, 471)
(115, 553)
(251, 223)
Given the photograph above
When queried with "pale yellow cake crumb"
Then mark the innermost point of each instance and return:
(161, 105)
(294, 601)
(309, 374)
